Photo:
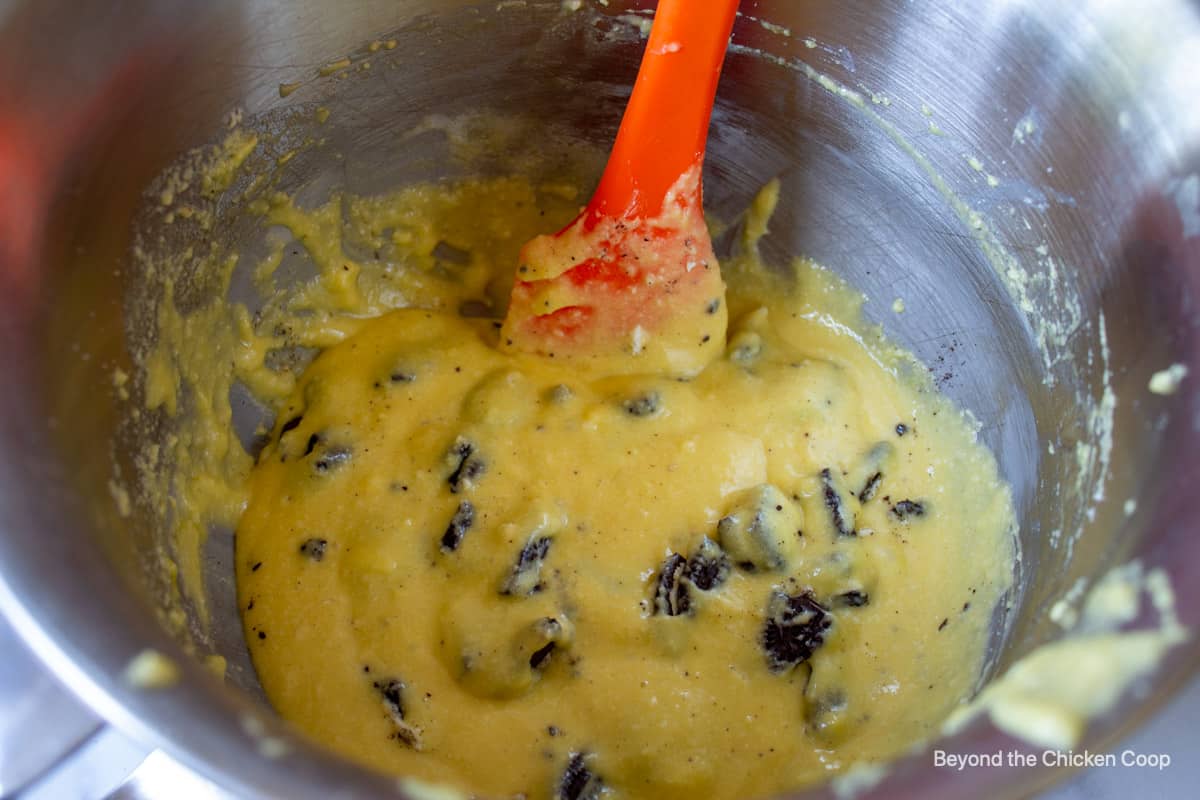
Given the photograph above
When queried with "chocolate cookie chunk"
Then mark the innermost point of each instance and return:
(763, 530)
(795, 627)
(870, 487)
(391, 692)
(854, 598)
(526, 576)
(671, 595)
(908, 508)
(460, 523)
(708, 567)
(326, 456)
(578, 782)
(842, 523)
(466, 465)
(643, 405)
(314, 548)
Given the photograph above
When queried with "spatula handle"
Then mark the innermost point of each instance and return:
(665, 127)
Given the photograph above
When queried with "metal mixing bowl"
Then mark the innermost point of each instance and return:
(1084, 112)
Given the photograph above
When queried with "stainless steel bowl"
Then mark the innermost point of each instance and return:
(883, 120)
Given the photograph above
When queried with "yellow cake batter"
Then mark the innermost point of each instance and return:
(523, 577)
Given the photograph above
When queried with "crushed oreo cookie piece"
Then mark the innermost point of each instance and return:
(763, 530)
(870, 487)
(327, 456)
(578, 782)
(550, 631)
(466, 463)
(837, 508)
(392, 694)
(908, 508)
(460, 523)
(526, 575)
(332, 458)
(795, 627)
(708, 567)
(852, 599)
(643, 405)
(671, 593)
(314, 548)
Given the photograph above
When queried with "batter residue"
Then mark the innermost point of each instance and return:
(523, 577)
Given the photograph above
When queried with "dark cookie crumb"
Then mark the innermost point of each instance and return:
(578, 782)
(671, 595)
(908, 508)
(643, 405)
(314, 548)
(552, 631)
(540, 655)
(328, 457)
(460, 523)
(794, 629)
(708, 567)
(852, 599)
(392, 693)
(467, 465)
(833, 501)
(333, 457)
(870, 487)
(525, 578)
(762, 530)
(291, 425)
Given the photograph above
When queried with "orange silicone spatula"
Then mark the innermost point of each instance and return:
(633, 283)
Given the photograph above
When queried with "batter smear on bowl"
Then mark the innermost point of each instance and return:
(529, 576)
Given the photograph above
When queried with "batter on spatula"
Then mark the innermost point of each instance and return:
(520, 576)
